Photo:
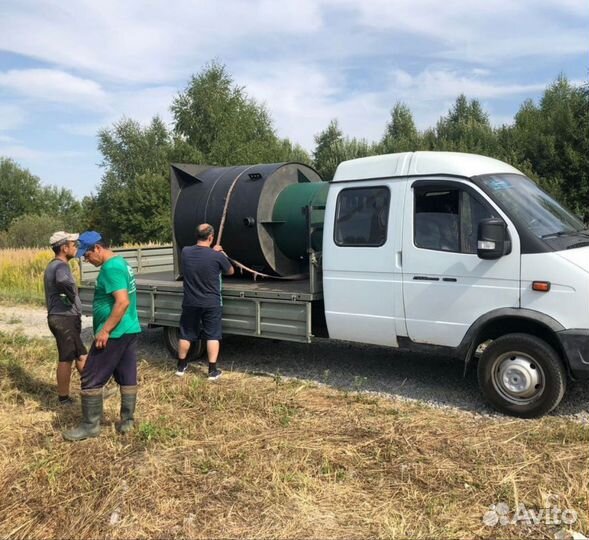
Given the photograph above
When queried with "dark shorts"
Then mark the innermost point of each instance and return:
(201, 323)
(67, 330)
(117, 359)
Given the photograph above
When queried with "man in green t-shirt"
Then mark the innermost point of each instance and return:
(114, 350)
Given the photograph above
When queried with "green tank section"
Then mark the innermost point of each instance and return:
(290, 215)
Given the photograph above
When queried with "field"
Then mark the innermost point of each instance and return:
(262, 457)
(21, 274)
(269, 457)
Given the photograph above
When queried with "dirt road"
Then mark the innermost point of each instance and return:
(437, 381)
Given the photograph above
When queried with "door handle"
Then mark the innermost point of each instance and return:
(425, 278)
(452, 279)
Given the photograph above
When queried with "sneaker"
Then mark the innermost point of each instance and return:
(66, 402)
(215, 374)
(181, 368)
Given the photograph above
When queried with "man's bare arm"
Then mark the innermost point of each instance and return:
(119, 309)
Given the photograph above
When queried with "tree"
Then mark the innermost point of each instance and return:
(133, 199)
(219, 119)
(332, 148)
(20, 192)
(144, 210)
(293, 152)
(550, 142)
(401, 134)
(33, 230)
(328, 150)
(466, 128)
(61, 202)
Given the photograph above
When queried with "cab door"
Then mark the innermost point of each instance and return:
(362, 284)
(446, 287)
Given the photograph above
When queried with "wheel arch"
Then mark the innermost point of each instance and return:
(505, 321)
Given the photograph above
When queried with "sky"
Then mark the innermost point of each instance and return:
(70, 68)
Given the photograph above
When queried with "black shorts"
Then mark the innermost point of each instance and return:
(118, 358)
(201, 323)
(67, 330)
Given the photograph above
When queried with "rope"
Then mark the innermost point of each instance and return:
(257, 274)
(224, 214)
(239, 265)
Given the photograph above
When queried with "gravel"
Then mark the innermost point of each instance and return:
(435, 380)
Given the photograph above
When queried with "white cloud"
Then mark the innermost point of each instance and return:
(432, 92)
(485, 32)
(479, 72)
(82, 129)
(309, 60)
(140, 105)
(23, 152)
(160, 43)
(53, 85)
(135, 41)
(11, 117)
(432, 85)
(303, 99)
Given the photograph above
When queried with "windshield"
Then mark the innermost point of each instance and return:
(524, 201)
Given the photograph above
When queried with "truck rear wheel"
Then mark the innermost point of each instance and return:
(521, 375)
(171, 336)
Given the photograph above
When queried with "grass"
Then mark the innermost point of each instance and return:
(21, 274)
(259, 457)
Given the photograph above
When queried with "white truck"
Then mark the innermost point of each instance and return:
(424, 251)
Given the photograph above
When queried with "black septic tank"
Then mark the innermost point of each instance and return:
(266, 222)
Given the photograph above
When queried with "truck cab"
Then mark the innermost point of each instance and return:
(462, 254)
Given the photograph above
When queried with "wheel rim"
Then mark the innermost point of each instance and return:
(518, 377)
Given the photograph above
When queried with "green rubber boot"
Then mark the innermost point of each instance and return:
(128, 402)
(91, 416)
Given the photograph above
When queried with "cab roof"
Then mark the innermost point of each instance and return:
(420, 163)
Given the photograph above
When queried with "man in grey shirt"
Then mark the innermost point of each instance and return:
(64, 311)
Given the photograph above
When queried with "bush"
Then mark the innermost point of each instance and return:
(31, 230)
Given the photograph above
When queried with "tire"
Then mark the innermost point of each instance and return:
(171, 336)
(521, 375)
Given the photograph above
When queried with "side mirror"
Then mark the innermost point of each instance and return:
(491, 238)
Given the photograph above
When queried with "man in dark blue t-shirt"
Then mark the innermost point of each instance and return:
(202, 306)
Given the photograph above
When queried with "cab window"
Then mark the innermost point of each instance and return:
(447, 219)
(362, 216)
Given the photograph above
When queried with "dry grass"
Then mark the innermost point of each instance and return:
(253, 457)
(21, 274)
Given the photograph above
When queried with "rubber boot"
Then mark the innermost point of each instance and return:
(91, 415)
(128, 401)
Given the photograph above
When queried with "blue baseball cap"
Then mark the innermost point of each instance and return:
(87, 240)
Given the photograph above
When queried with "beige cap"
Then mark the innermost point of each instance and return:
(61, 237)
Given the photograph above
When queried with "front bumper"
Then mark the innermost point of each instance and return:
(575, 344)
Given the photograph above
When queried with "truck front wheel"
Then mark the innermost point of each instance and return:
(171, 336)
(521, 375)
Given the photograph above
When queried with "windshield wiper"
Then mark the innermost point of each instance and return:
(555, 234)
(578, 244)
(582, 232)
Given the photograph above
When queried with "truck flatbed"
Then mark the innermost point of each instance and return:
(270, 308)
(284, 289)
